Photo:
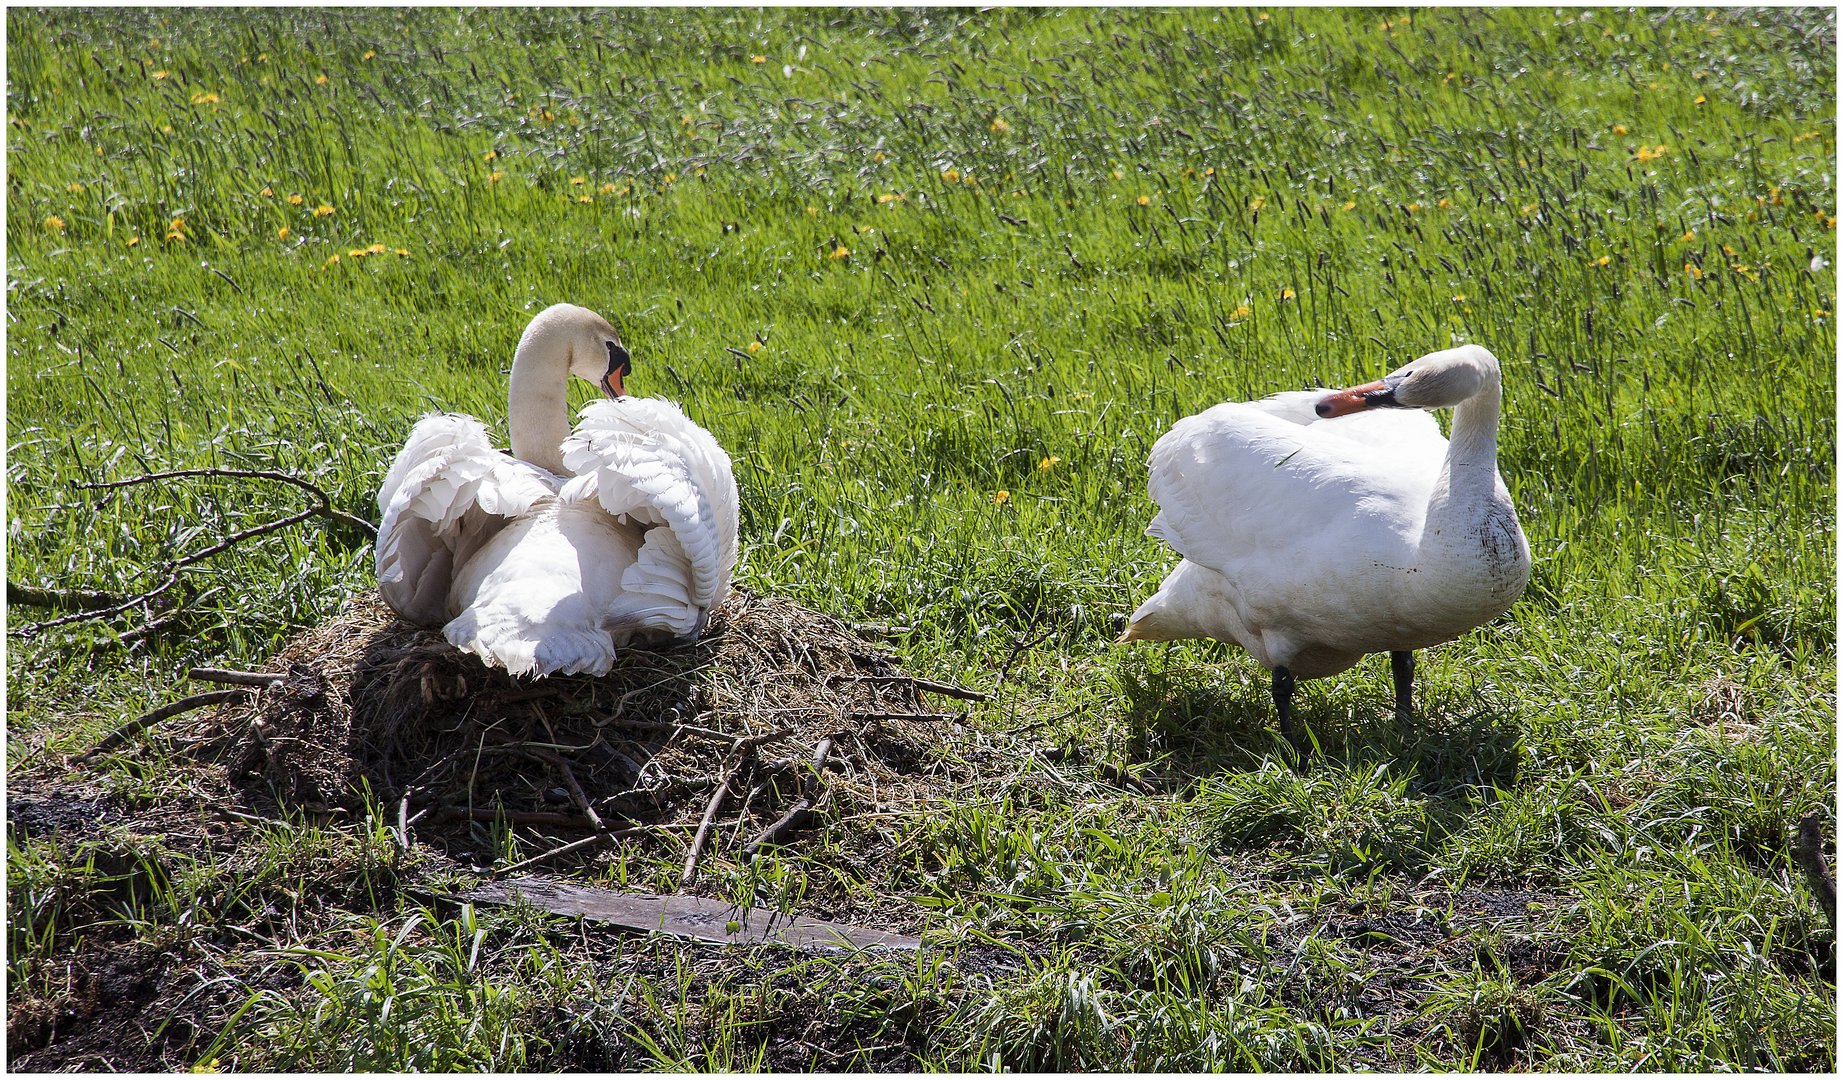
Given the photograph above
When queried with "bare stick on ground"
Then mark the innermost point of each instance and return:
(944, 689)
(801, 811)
(574, 845)
(233, 677)
(322, 507)
(165, 712)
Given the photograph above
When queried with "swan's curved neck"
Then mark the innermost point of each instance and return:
(537, 407)
(1472, 449)
(1467, 492)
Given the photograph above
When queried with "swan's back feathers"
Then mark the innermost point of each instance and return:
(1240, 480)
(447, 493)
(647, 463)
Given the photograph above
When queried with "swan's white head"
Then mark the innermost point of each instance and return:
(592, 348)
(1436, 381)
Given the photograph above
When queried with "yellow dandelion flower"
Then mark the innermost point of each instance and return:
(1257, 202)
(578, 181)
(999, 127)
(1700, 99)
(1819, 313)
(1145, 200)
(489, 155)
(357, 253)
(54, 223)
(1241, 312)
(1459, 298)
(1001, 497)
(841, 252)
(812, 211)
(206, 98)
(755, 346)
(133, 240)
(283, 233)
(1414, 208)
(1528, 209)
(1287, 294)
(1350, 204)
(1728, 251)
(758, 59)
(1688, 236)
(332, 260)
(73, 187)
(1048, 463)
(1619, 129)
(1211, 171)
(376, 249)
(585, 198)
(493, 177)
(1604, 260)
(951, 176)
(401, 251)
(321, 80)
(607, 189)
(323, 210)
(267, 193)
(1116, 175)
(1445, 204)
(671, 178)
(1694, 271)
(294, 200)
(547, 116)
(369, 53)
(158, 75)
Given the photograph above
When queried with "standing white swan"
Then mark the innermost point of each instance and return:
(578, 543)
(1314, 531)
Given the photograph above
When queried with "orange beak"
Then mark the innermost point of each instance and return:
(611, 384)
(1355, 399)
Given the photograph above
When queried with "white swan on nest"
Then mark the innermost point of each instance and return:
(1314, 530)
(578, 543)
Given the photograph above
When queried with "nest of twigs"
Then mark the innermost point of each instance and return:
(777, 717)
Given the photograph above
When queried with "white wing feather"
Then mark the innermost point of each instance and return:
(647, 463)
(447, 493)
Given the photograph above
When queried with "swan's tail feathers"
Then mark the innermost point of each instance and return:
(446, 493)
(521, 652)
(644, 461)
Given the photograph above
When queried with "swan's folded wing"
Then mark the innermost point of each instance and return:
(447, 492)
(1390, 429)
(1236, 482)
(644, 461)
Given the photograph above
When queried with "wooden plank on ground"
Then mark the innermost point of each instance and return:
(685, 916)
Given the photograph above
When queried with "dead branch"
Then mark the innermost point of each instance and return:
(945, 689)
(324, 508)
(165, 712)
(910, 717)
(233, 677)
(575, 845)
(1808, 849)
(63, 599)
(577, 795)
(801, 811)
(745, 748)
(670, 729)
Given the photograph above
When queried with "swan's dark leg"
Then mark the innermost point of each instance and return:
(1283, 700)
(1401, 665)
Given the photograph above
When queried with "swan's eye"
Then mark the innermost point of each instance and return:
(619, 360)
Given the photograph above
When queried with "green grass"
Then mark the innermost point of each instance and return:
(1097, 222)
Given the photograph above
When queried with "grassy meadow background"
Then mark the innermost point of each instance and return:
(938, 279)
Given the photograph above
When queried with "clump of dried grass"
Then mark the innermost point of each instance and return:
(372, 706)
